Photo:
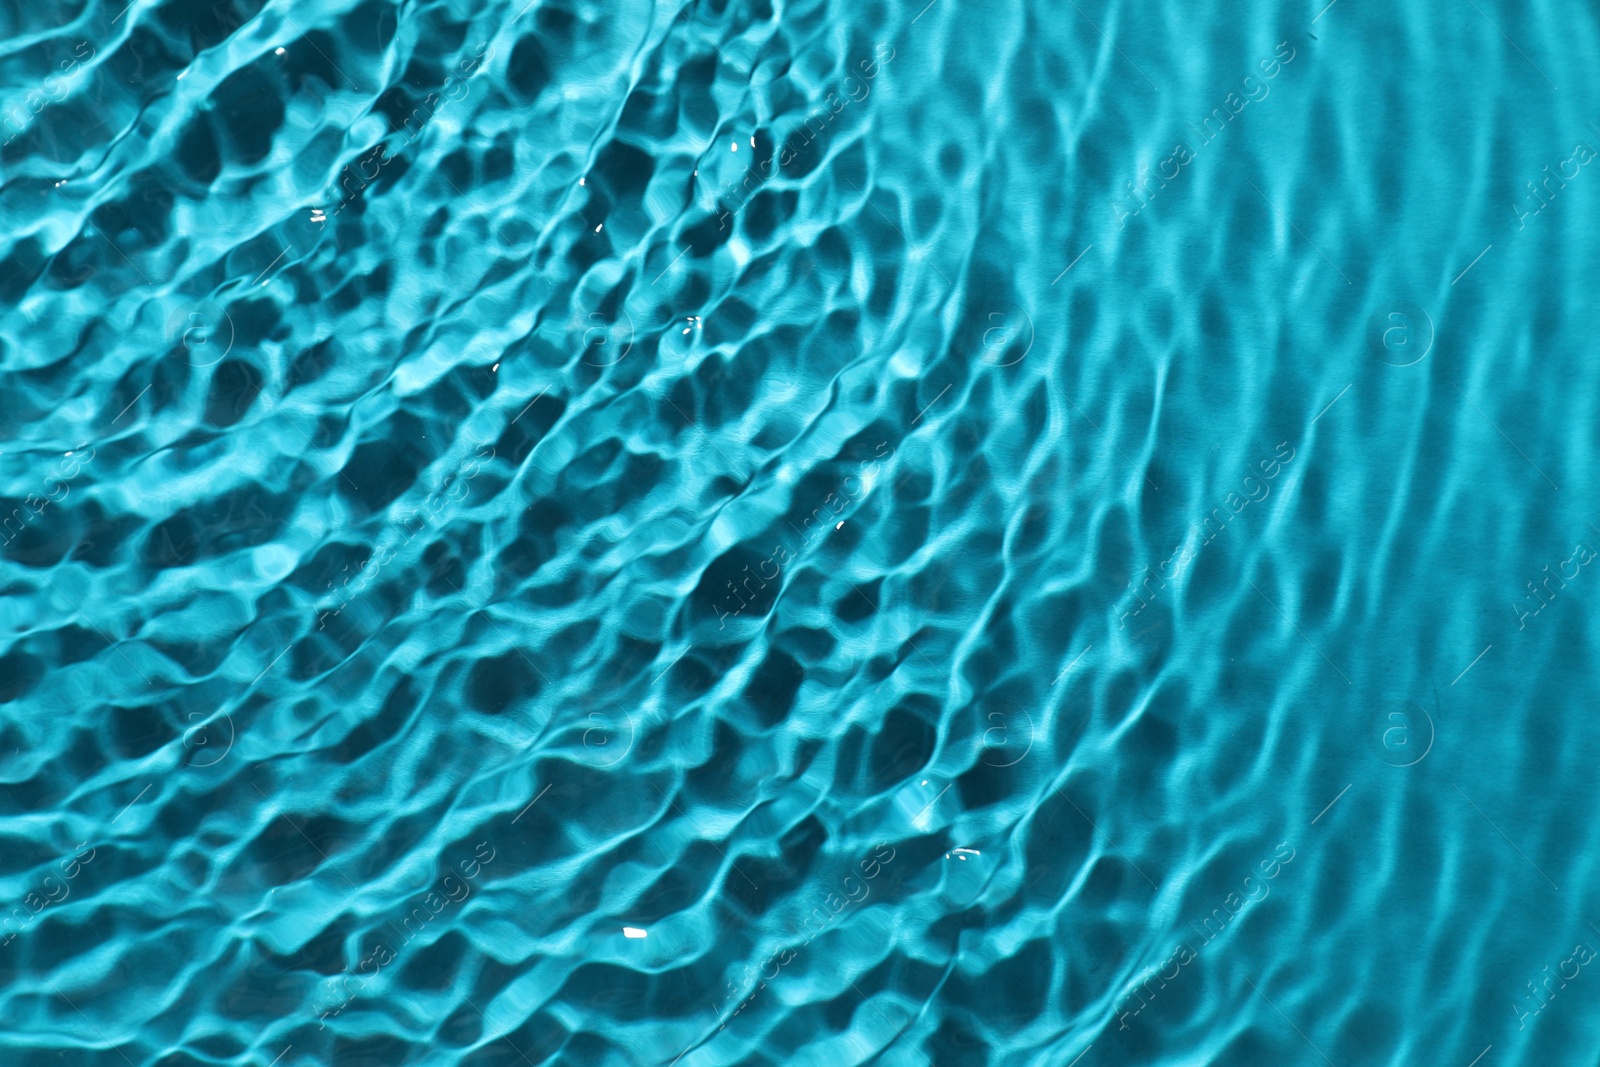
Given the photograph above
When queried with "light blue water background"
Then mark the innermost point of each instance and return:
(798, 533)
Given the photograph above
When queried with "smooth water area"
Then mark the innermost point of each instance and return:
(821, 533)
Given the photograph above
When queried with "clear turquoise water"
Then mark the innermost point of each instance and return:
(825, 533)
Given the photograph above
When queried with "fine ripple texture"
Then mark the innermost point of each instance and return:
(815, 533)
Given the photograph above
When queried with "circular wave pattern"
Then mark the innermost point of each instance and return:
(762, 533)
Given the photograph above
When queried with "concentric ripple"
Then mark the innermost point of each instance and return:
(806, 533)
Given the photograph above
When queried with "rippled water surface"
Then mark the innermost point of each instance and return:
(818, 533)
